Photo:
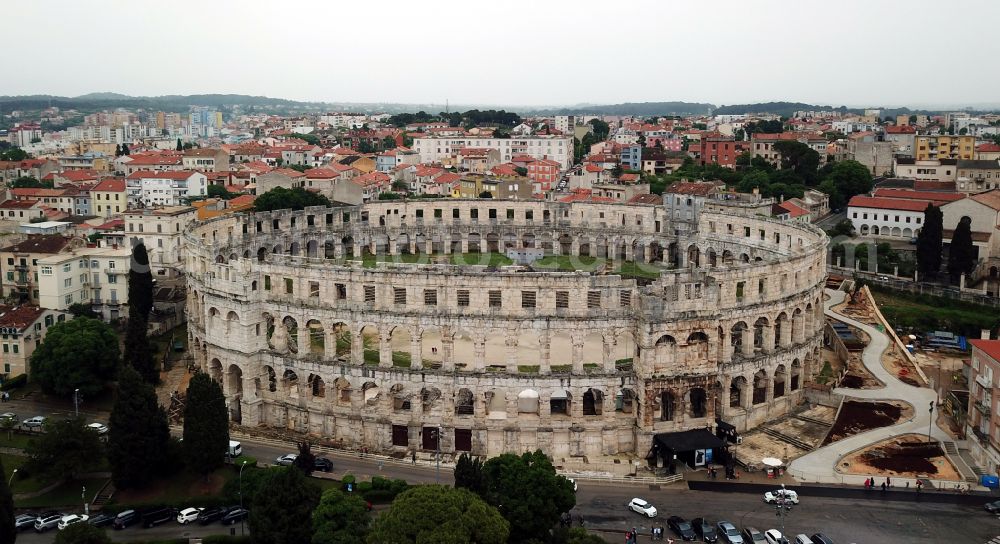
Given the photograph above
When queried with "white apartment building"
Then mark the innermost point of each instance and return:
(926, 170)
(555, 148)
(147, 188)
(95, 275)
(886, 217)
(565, 123)
(160, 230)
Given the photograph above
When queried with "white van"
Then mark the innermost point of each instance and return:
(235, 449)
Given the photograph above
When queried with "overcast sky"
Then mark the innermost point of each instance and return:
(537, 52)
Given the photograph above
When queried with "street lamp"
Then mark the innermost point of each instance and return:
(243, 465)
(76, 403)
(11, 477)
(930, 421)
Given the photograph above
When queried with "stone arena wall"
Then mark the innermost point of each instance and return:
(400, 357)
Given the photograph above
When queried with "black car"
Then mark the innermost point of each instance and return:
(820, 538)
(323, 464)
(156, 516)
(25, 521)
(681, 527)
(124, 519)
(235, 515)
(705, 529)
(992, 507)
(101, 520)
(211, 515)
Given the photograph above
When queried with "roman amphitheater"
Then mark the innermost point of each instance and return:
(307, 330)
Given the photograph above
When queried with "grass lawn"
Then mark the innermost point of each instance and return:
(570, 263)
(181, 488)
(369, 261)
(927, 313)
(20, 483)
(67, 494)
(484, 259)
(639, 270)
(17, 440)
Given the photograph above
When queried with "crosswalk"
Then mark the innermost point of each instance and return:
(995, 540)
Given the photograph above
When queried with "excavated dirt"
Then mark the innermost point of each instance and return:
(858, 377)
(907, 455)
(857, 417)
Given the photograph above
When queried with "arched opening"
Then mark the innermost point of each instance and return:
(348, 243)
(317, 387)
(693, 255)
(560, 351)
(713, 258)
(697, 402)
(559, 402)
(727, 257)
(760, 387)
(780, 329)
(528, 240)
(295, 248)
(272, 382)
(593, 402)
(758, 333)
(317, 337)
(565, 244)
(527, 402)
(465, 403)
(796, 375)
(744, 258)
(312, 249)
(655, 252)
(370, 340)
(234, 387)
(343, 388)
(492, 242)
(736, 333)
(370, 393)
(329, 250)
(292, 327)
(215, 370)
(625, 401)
(400, 398)
(342, 338)
(219, 259)
(463, 349)
(737, 386)
(668, 405)
(875, 230)
(496, 405)
(430, 398)
(779, 381)
(261, 254)
(431, 347)
(697, 346)
(666, 349)
(291, 381)
(400, 340)
(474, 239)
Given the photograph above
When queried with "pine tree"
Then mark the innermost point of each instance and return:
(138, 435)
(8, 533)
(961, 252)
(306, 461)
(929, 242)
(125, 150)
(281, 510)
(138, 352)
(206, 425)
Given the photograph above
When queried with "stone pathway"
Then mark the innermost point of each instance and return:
(819, 465)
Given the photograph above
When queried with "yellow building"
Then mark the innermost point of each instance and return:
(929, 148)
(108, 198)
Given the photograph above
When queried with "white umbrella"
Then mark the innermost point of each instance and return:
(771, 462)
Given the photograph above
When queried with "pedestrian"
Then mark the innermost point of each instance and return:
(866, 484)
(414, 457)
(888, 483)
(883, 487)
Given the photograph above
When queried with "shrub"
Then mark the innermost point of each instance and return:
(379, 496)
(363, 487)
(16, 382)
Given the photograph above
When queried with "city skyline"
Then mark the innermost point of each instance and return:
(553, 54)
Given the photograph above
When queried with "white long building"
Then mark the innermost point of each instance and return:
(148, 188)
(555, 148)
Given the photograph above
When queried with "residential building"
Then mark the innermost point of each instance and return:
(544, 173)
(21, 211)
(564, 123)
(388, 160)
(24, 134)
(902, 138)
(631, 157)
(479, 160)
(620, 192)
(931, 147)
(109, 198)
(372, 184)
(281, 177)
(556, 148)
(983, 422)
(97, 276)
(876, 156)
(718, 149)
(926, 170)
(18, 264)
(789, 210)
(205, 159)
(155, 162)
(70, 200)
(509, 188)
(160, 230)
(886, 217)
(762, 145)
(22, 329)
(978, 175)
(985, 152)
(169, 188)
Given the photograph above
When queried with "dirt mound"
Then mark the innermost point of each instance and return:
(851, 381)
(857, 417)
(914, 457)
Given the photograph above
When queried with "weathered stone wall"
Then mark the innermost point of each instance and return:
(577, 364)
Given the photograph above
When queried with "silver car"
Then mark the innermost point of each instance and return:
(47, 521)
(34, 423)
(729, 533)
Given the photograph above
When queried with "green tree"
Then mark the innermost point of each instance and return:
(340, 518)
(754, 179)
(206, 425)
(180, 146)
(929, 242)
(306, 461)
(281, 510)
(139, 436)
(961, 251)
(138, 351)
(849, 178)
(280, 198)
(27, 182)
(14, 154)
(78, 354)
(469, 474)
(843, 228)
(531, 513)
(521, 171)
(82, 533)
(388, 143)
(80, 309)
(601, 129)
(66, 449)
(125, 150)
(219, 191)
(800, 158)
(8, 533)
(140, 283)
(437, 514)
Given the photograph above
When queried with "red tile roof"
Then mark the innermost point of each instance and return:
(989, 148)
(116, 185)
(114, 224)
(792, 209)
(19, 317)
(40, 192)
(79, 175)
(154, 160)
(936, 197)
(149, 174)
(903, 204)
(321, 173)
(989, 198)
(40, 243)
(629, 177)
(447, 177)
(990, 347)
(902, 129)
(18, 204)
(692, 188)
(242, 200)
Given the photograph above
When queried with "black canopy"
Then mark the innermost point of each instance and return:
(695, 439)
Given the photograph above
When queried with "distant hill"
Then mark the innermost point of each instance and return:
(639, 109)
(786, 109)
(180, 103)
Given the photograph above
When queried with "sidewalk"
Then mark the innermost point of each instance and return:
(819, 465)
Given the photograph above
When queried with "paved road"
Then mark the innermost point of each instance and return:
(831, 220)
(137, 534)
(844, 520)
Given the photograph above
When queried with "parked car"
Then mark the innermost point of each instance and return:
(640, 506)
(753, 535)
(156, 516)
(704, 529)
(286, 460)
(66, 521)
(681, 527)
(213, 514)
(803, 539)
(101, 520)
(124, 519)
(9, 415)
(99, 428)
(788, 495)
(46, 521)
(820, 538)
(729, 532)
(773, 536)
(992, 507)
(25, 521)
(34, 423)
(188, 515)
(572, 481)
(323, 464)
(235, 515)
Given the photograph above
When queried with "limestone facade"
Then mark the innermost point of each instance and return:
(577, 364)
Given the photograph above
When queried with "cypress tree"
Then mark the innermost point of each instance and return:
(7, 531)
(206, 425)
(138, 352)
(125, 150)
(180, 146)
(961, 252)
(138, 434)
(140, 283)
(929, 242)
